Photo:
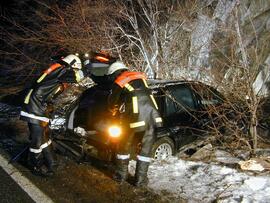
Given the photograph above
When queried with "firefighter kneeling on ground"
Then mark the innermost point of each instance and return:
(35, 111)
(132, 100)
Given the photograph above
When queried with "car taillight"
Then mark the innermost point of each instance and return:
(114, 131)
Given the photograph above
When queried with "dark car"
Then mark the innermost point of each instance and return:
(185, 107)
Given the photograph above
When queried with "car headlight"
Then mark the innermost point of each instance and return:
(114, 131)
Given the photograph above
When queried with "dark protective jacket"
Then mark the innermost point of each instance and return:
(133, 100)
(50, 84)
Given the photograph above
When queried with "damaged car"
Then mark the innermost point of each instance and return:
(185, 107)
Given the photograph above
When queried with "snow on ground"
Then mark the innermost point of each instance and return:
(201, 182)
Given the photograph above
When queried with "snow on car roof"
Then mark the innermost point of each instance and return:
(155, 83)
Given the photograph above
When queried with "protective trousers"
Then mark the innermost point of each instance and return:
(143, 158)
(40, 150)
(122, 157)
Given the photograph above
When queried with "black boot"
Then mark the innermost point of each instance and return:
(50, 160)
(121, 172)
(141, 173)
(35, 163)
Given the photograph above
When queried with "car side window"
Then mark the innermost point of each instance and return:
(179, 99)
(209, 96)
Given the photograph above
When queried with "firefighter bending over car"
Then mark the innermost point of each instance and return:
(36, 110)
(132, 102)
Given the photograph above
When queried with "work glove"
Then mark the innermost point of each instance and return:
(114, 110)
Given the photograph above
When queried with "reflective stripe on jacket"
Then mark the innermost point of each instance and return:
(48, 86)
(127, 76)
(131, 90)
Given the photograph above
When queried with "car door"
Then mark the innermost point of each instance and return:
(209, 105)
(180, 112)
(179, 105)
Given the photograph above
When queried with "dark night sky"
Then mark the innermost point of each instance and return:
(7, 7)
(10, 8)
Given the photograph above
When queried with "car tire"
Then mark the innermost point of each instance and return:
(163, 148)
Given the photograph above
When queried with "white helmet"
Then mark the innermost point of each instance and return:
(118, 65)
(73, 61)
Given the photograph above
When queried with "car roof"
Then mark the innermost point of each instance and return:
(155, 83)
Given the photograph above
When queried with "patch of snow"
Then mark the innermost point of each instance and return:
(80, 131)
(201, 182)
(256, 183)
(57, 123)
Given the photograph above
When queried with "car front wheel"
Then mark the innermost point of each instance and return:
(163, 148)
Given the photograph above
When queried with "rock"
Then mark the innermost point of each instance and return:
(188, 150)
(242, 154)
(205, 153)
(263, 152)
(225, 157)
(255, 164)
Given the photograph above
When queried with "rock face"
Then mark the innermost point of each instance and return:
(255, 17)
(261, 83)
(251, 18)
(202, 36)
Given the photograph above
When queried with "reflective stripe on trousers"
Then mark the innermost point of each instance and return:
(29, 115)
(123, 156)
(158, 120)
(144, 158)
(36, 151)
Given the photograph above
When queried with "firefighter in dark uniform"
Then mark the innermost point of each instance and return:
(36, 110)
(131, 98)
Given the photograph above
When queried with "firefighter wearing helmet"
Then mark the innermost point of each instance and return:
(36, 110)
(132, 101)
(98, 68)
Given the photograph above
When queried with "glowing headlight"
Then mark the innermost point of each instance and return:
(114, 131)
